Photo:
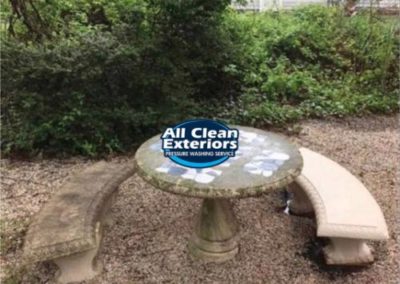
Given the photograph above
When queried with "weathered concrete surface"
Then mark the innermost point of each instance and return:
(80, 266)
(67, 223)
(345, 210)
(299, 203)
(265, 161)
(216, 233)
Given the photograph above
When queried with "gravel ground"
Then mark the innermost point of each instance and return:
(147, 242)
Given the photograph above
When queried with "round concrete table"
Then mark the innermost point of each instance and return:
(263, 162)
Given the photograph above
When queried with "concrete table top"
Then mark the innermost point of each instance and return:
(264, 161)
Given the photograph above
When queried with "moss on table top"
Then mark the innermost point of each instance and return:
(265, 161)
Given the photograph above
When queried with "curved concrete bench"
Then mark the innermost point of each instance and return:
(67, 230)
(345, 210)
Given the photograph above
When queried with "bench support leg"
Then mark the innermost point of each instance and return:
(343, 251)
(80, 266)
(216, 234)
(300, 204)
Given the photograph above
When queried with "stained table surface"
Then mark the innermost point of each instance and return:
(264, 161)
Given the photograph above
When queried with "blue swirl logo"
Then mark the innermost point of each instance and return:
(200, 143)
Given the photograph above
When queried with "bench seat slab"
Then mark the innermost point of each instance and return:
(345, 210)
(66, 224)
(67, 230)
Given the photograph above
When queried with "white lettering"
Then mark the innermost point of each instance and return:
(169, 133)
(167, 143)
(195, 131)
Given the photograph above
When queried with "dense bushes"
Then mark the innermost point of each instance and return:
(315, 62)
(75, 95)
(100, 89)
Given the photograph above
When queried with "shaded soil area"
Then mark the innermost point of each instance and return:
(147, 243)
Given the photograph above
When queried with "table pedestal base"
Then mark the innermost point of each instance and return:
(216, 232)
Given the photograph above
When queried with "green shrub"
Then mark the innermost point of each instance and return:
(102, 91)
(93, 89)
(89, 95)
(315, 62)
(71, 96)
